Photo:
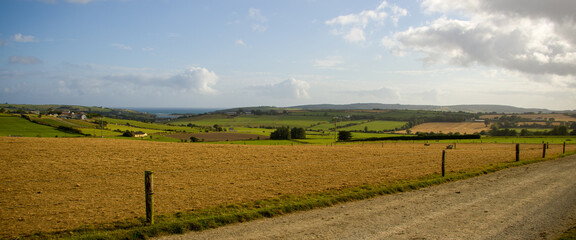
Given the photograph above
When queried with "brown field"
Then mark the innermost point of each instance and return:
(451, 127)
(556, 116)
(57, 184)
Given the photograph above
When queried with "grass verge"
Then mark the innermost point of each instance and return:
(570, 234)
(197, 220)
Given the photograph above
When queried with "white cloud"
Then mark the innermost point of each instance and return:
(352, 27)
(147, 49)
(196, 80)
(331, 62)
(122, 46)
(24, 60)
(528, 36)
(382, 94)
(287, 89)
(259, 21)
(18, 37)
(142, 82)
(355, 35)
(240, 42)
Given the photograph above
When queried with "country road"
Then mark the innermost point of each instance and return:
(536, 201)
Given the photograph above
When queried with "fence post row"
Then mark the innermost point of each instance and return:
(443, 163)
(517, 152)
(148, 187)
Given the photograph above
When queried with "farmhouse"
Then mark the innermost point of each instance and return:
(140, 134)
(73, 115)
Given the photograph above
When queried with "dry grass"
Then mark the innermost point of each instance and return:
(58, 184)
(556, 116)
(451, 127)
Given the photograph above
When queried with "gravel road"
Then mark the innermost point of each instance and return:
(536, 201)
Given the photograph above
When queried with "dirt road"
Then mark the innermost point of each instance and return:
(537, 201)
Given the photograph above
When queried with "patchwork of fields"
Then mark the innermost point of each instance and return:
(451, 127)
(52, 184)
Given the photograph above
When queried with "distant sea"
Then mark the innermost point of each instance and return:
(173, 112)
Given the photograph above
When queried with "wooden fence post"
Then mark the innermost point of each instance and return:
(564, 148)
(517, 152)
(443, 163)
(148, 186)
(544, 150)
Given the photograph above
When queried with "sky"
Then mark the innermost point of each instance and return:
(240, 53)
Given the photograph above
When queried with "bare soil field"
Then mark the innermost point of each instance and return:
(213, 137)
(52, 184)
(454, 127)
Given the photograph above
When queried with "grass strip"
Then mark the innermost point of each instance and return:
(198, 220)
(570, 234)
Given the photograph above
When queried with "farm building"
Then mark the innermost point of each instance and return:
(140, 134)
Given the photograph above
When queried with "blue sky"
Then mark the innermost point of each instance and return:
(180, 53)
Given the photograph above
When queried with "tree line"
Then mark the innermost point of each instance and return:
(287, 133)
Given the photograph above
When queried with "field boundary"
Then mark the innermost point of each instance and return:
(214, 217)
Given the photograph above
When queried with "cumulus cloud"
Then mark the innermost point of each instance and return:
(19, 37)
(195, 79)
(352, 27)
(290, 88)
(528, 36)
(24, 60)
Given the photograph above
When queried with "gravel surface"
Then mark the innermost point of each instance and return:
(536, 201)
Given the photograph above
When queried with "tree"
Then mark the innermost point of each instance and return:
(218, 128)
(525, 132)
(344, 135)
(298, 133)
(194, 139)
(127, 133)
(282, 133)
(559, 130)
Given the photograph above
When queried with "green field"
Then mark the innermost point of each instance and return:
(254, 121)
(143, 125)
(17, 126)
(319, 125)
(376, 126)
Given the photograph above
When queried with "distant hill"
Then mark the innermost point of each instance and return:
(453, 108)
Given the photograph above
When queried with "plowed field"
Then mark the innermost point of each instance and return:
(57, 184)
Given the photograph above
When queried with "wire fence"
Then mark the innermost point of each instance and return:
(103, 197)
